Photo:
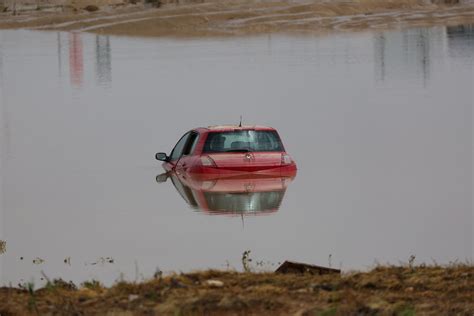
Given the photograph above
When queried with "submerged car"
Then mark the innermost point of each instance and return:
(229, 150)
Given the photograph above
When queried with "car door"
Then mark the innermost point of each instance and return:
(178, 149)
(187, 157)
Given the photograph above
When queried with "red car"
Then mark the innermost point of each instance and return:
(230, 151)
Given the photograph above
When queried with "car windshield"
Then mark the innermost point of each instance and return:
(242, 141)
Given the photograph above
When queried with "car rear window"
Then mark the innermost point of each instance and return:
(242, 140)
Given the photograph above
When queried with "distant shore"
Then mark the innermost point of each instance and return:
(236, 17)
(403, 290)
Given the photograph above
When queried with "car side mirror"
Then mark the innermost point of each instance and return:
(162, 157)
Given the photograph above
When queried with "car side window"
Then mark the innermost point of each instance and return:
(192, 141)
(180, 146)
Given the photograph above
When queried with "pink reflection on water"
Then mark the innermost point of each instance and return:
(76, 64)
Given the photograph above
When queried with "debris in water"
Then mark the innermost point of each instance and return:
(300, 268)
(67, 260)
(38, 260)
(103, 260)
(3, 246)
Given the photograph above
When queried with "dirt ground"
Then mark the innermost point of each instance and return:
(420, 290)
(241, 17)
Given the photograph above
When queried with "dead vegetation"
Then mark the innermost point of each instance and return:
(409, 290)
(3, 246)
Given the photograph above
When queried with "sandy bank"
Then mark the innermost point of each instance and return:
(384, 290)
(241, 17)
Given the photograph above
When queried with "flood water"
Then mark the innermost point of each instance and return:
(380, 125)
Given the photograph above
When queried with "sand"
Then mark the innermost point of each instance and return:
(244, 17)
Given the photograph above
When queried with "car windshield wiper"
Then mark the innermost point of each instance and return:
(241, 150)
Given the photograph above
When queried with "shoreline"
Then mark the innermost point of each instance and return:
(244, 17)
(389, 290)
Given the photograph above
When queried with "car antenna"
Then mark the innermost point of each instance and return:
(240, 124)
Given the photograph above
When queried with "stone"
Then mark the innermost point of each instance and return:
(215, 283)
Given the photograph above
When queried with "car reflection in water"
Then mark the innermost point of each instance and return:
(249, 194)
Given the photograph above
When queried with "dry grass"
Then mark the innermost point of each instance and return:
(422, 290)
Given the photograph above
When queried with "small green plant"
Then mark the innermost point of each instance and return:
(30, 287)
(328, 312)
(152, 295)
(406, 311)
(92, 285)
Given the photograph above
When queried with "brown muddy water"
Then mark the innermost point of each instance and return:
(380, 125)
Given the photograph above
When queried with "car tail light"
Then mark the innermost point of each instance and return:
(286, 159)
(207, 161)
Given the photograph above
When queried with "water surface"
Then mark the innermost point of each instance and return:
(380, 125)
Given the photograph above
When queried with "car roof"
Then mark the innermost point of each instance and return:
(229, 128)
